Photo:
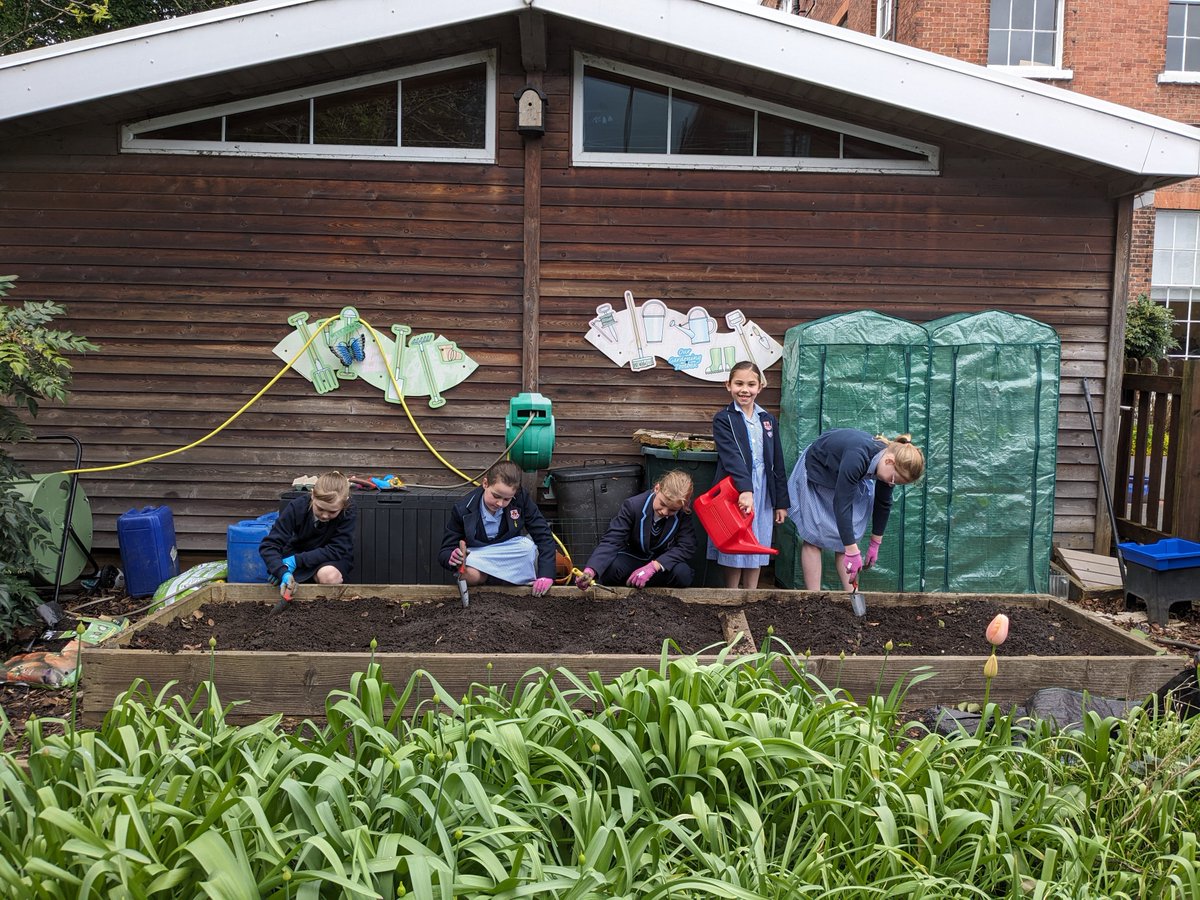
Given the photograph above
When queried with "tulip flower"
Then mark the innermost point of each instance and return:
(997, 631)
(991, 667)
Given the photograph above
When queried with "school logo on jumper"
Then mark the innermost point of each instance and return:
(514, 514)
(690, 342)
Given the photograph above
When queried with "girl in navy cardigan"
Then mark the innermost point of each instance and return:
(491, 520)
(750, 452)
(842, 481)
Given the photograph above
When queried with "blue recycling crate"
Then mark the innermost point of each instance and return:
(1164, 555)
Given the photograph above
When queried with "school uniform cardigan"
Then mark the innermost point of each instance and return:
(298, 533)
(734, 456)
(839, 459)
(632, 531)
(466, 523)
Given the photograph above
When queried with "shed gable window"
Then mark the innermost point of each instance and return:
(443, 111)
(1025, 37)
(627, 116)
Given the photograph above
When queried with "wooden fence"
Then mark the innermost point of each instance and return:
(1156, 493)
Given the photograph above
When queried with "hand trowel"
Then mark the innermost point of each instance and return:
(462, 575)
(857, 601)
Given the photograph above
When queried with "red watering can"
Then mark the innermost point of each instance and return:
(731, 532)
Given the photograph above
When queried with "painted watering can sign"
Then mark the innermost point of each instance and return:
(690, 342)
(347, 349)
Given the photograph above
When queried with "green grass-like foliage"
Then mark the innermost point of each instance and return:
(738, 779)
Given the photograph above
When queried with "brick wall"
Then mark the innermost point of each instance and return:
(1116, 50)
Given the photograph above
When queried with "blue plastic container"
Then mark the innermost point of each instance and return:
(148, 554)
(241, 548)
(1169, 553)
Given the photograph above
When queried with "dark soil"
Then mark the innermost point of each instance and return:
(637, 624)
(938, 629)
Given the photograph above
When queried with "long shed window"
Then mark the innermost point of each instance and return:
(627, 116)
(443, 110)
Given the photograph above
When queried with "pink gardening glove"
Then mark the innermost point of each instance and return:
(872, 553)
(854, 564)
(456, 557)
(641, 576)
(584, 579)
(541, 586)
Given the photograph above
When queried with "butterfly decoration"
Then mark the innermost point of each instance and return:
(352, 351)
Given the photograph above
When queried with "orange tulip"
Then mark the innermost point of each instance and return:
(991, 667)
(997, 631)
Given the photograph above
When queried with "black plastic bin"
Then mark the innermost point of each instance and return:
(588, 498)
(398, 534)
(702, 466)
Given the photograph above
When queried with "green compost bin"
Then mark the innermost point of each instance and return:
(860, 370)
(702, 466)
(48, 495)
(991, 453)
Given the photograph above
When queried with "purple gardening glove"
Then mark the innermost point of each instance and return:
(872, 553)
(456, 557)
(854, 564)
(541, 586)
(584, 579)
(641, 576)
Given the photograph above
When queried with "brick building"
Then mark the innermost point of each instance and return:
(1139, 53)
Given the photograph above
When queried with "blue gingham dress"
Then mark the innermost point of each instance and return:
(764, 515)
(812, 512)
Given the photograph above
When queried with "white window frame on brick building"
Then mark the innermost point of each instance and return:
(885, 19)
(1182, 64)
(1175, 275)
(1017, 28)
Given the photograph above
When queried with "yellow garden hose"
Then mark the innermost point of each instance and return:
(467, 479)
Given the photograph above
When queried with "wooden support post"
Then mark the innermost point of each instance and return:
(531, 307)
(1114, 365)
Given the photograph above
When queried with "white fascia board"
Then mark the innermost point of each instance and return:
(212, 42)
(743, 32)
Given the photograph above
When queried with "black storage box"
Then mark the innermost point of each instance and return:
(398, 534)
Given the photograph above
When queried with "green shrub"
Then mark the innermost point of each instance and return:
(32, 368)
(1148, 329)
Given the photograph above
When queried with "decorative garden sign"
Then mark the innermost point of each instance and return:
(689, 342)
(349, 348)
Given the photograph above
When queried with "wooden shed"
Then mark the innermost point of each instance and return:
(494, 172)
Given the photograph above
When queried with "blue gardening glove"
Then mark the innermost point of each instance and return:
(287, 586)
(584, 579)
(641, 576)
(854, 564)
(541, 586)
(290, 563)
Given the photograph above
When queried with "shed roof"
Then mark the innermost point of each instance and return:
(115, 72)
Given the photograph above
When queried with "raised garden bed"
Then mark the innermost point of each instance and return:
(290, 662)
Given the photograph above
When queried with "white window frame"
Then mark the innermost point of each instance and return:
(885, 19)
(1179, 76)
(1045, 73)
(1163, 287)
(580, 157)
(130, 143)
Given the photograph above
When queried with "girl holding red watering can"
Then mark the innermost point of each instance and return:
(750, 452)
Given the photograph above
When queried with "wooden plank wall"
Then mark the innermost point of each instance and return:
(185, 270)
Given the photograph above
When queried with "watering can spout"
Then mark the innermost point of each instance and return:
(731, 532)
